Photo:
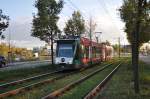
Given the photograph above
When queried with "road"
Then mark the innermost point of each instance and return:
(30, 64)
(145, 59)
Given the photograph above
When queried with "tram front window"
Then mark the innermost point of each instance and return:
(65, 50)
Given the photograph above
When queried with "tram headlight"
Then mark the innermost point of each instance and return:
(70, 62)
(56, 61)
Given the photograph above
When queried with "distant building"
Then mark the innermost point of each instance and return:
(126, 48)
(36, 50)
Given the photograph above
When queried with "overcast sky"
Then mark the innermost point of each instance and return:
(104, 12)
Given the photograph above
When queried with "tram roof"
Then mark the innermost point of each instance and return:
(67, 39)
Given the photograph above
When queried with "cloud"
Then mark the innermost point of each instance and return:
(23, 43)
(108, 23)
(19, 32)
(110, 31)
(27, 44)
(105, 14)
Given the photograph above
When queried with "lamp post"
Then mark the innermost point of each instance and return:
(97, 39)
(9, 43)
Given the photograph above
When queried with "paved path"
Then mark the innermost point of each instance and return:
(145, 58)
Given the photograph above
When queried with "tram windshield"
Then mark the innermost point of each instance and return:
(65, 50)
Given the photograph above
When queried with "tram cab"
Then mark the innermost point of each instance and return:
(65, 52)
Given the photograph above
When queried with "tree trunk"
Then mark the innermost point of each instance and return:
(135, 47)
(135, 64)
(52, 54)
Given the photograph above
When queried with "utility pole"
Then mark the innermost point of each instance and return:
(90, 34)
(52, 50)
(9, 52)
(97, 39)
(92, 26)
(119, 46)
(135, 47)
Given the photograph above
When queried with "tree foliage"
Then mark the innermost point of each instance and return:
(75, 25)
(4, 22)
(45, 22)
(128, 13)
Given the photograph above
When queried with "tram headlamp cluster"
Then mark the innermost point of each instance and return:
(63, 60)
(70, 62)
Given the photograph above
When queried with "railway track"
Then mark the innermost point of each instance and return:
(55, 94)
(99, 88)
(29, 87)
(18, 86)
(5, 85)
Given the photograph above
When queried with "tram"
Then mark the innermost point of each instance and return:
(80, 53)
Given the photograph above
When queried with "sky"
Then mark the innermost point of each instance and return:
(103, 12)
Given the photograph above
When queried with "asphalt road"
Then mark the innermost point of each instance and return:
(19, 65)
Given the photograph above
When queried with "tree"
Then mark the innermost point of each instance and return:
(128, 11)
(4, 23)
(75, 25)
(135, 13)
(2, 37)
(45, 22)
(90, 27)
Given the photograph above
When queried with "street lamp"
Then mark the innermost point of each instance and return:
(97, 36)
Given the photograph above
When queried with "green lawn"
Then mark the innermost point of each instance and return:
(39, 92)
(81, 90)
(11, 75)
(121, 85)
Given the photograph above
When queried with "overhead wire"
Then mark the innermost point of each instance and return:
(77, 8)
(84, 14)
(103, 5)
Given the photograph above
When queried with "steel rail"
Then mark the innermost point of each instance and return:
(68, 87)
(27, 79)
(102, 84)
(29, 87)
(30, 78)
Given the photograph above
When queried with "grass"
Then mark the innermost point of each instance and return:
(39, 92)
(145, 79)
(80, 91)
(12, 75)
(26, 83)
(121, 85)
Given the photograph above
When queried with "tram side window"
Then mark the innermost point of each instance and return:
(94, 52)
(97, 52)
(87, 52)
(100, 51)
